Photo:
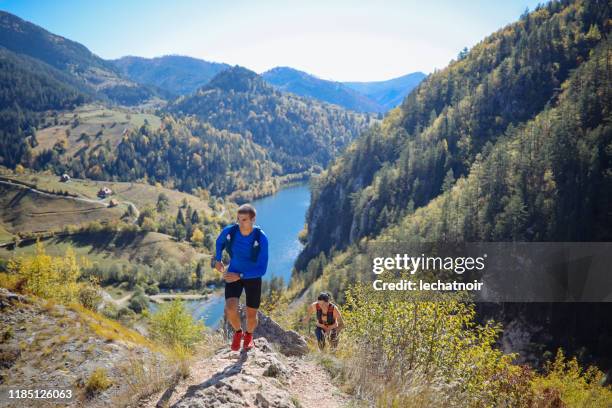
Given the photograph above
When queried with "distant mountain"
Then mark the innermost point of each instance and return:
(179, 75)
(388, 94)
(377, 96)
(25, 38)
(299, 133)
(303, 84)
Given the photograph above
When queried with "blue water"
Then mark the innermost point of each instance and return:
(281, 217)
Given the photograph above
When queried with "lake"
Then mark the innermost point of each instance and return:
(281, 217)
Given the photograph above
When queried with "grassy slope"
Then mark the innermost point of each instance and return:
(22, 210)
(91, 118)
(137, 193)
(61, 211)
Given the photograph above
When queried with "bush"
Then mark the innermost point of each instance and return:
(98, 381)
(174, 325)
(138, 301)
(90, 296)
(47, 276)
(11, 281)
(401, 347)
(574, 386)
(110, 311)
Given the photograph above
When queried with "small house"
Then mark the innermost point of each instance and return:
(65, 178)
(113, 203)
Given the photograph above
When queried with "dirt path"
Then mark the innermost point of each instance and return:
(44, 193)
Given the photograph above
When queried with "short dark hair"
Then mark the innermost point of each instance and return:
(324, 296)
(247, 209)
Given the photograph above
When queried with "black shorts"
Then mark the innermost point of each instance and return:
(252, 289)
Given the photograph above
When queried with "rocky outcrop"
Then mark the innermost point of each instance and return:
(288, 342)
(257, 378)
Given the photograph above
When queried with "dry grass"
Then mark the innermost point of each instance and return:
(111, 330)
(142, 381)
(98, 381)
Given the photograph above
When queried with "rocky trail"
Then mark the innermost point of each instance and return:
(258, 378)
(278, 373)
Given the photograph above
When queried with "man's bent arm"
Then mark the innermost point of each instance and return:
(309, 311)
(220, 242)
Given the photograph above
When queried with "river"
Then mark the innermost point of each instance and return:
(281, 216)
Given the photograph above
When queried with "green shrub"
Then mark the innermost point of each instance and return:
(574, 386)
(400, 345)
(138, 301)
(90, 296)
(174, 325)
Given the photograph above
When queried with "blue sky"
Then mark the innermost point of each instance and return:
(340, 40)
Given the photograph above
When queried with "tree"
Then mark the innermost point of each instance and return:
(173, 325)
(180, 218)
(195, 217)
(197, 237)
(163, 202)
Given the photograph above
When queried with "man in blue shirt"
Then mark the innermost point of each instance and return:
(247, 246)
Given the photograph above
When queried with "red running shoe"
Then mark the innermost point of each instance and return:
(248, 342)
(236, 341)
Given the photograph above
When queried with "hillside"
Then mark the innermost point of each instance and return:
(25, 210)
(29, 88)
(70, 57)
(50, 345)
(451, 123)
(176, 74)
(390, 93)
(303, 84)
(298, 133)
(520, 155)
(141, 233)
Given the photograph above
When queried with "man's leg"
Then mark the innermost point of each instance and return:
(320, 337)
(251, 319)
(233, 290)
(252, 290)
(231, 311)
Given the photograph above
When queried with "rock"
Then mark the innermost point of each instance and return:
(251, 379)
(288, 342)
(8, 356)
(8, 298)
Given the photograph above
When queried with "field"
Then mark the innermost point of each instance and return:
(26, 211)
(89, 126)
(120, 249)
(45, 209)
(139, 194)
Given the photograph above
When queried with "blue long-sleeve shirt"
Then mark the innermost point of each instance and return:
(241, 249)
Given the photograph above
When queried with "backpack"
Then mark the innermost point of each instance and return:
(229, 240)
(330, 314)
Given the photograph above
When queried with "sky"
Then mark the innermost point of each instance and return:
(338, 40)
